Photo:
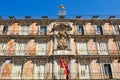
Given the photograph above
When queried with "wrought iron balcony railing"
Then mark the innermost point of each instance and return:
(95, 32)
(34, 32)
(57, 52)
(72, 76)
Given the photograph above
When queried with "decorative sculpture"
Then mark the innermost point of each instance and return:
(62, 40)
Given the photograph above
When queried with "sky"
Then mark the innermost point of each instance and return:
(51, 7)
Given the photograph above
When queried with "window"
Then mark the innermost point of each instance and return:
(108, 71)
(80, 30)
(43, 30)
(99, 30)
(119, 28)
(5, 29)
(119, 44)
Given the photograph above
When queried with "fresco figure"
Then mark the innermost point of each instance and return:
(116, 69)
(33, 29)
(95, 67)
(92, 48)
(89, 29)
(73, 69)
(112, 46)
(108, 28)
(28, 70)
(5, 70)
(15, 29)
(11, 47)
(31, 49)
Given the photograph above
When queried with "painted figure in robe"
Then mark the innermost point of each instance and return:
(5, 70)
(28, 70)
(108, 28)
(92, 48)
(33, 29)
(112, 46)
(31, 47)
(15, 29)
(11, 47)
(89, 29)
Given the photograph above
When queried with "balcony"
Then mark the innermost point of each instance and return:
(23, 32)
(41, 32)
(96, 32)
(98, 52)
(63, 52)
(58, 76)
(4, 52)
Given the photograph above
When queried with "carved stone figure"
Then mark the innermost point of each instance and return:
(62, 40)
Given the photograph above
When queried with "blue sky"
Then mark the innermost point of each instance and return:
(50, 7)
